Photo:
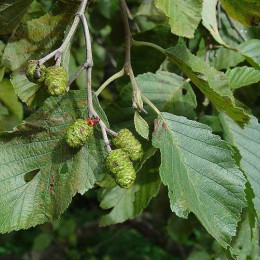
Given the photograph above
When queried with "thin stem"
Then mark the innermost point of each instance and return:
(113, 133)
(105, 137)
(150, 104)
(148, 44)
(58, 52)
(128, 11)
(226, 47)
(58, 61)
(73, 78)
(130, 16)
(127, 33)
(117, 75)
(233, 25)
(137, 100)
(89, 64)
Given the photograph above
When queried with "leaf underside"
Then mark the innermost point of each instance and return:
(201, 175)
(247, 141)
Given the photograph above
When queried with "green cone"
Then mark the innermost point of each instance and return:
(31, 67)
(78, 133)
(126, 141)
(56, 80)
(121, 168)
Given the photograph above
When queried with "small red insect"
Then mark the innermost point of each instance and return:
(93, 122)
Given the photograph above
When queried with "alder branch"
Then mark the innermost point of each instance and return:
(57, 54)
(130, 16)
(89, 65)
(73, 78)
(137, 99)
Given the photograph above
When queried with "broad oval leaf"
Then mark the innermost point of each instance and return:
(250, 49)
(39, 36)
(168, 92)
(242, 76)
(247, 141)
(184, 16)
(127, 204)
(209, 19)
(11, 13)
(10, 99)
(245, 11)
(212, 83)
(37, 149)
(141, 126)
(201, 175)
(30, 93)
(11, 109)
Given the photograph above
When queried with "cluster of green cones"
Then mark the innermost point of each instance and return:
(119, 162)
(55, 78)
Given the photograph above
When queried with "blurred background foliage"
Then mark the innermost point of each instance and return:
(157, 233)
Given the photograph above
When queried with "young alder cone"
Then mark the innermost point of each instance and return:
(56, 80)
(121, 168)
(31, 67)
(126, 141)
(78, 133)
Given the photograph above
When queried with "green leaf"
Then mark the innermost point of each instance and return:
(3, 110)
(242, 76)
(11, 109)
(108, 8)
(212, 83)
(212, 121)
(10, 99)
(141, 126)
(128, 203)
(223, 58)
(250, 49)
(184, 16)
(39, 36)
(245, 245)
(251, 211)
(168, 92)
(198, 255)
(247, 142)
(121, 201)
(42, 242)
(148, 9)
(2, 73)
(30, 93)
(11, 13)
(37, 152)
(244, 11)
(209, 19)
(201, 175)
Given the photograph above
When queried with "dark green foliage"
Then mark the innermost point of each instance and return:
(182, 180)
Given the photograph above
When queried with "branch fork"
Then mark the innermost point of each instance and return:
(137, 96)
(57, 54)
(88, 65)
